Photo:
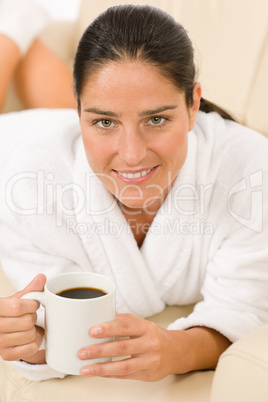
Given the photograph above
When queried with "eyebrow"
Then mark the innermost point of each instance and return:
(102, 112)
(158, 110)
(142, 114)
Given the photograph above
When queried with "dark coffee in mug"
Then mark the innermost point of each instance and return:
(82, 293)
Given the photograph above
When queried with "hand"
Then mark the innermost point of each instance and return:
(19, 337)
(150, 347)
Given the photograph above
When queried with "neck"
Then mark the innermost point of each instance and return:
(139, 221)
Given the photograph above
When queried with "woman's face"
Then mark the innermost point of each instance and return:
(134, 126)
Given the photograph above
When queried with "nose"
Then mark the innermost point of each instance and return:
(132, 147)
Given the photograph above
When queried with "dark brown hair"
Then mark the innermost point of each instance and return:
(139, 33)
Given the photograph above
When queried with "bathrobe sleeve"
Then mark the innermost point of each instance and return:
(235, 287)
(234, 292)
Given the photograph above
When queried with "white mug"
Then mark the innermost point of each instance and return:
(68, 321)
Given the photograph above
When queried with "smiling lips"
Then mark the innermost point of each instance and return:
(137, 176)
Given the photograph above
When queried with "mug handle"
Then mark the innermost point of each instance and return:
(41, 298)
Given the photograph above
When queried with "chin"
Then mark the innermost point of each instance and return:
(134, 207)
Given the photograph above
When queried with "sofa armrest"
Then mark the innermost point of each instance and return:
(242, 371)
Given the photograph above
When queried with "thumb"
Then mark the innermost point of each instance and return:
(36, 285)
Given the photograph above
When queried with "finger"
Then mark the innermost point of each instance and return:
(36, 285)
(23, 351)
(18, 324)
(13, 307)
(144, 375)
(134, 376)
(135, 368)
(113, 349)
(120, 368)
(17, 338)
(125, 325)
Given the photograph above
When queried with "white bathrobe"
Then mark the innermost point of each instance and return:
(207, 244)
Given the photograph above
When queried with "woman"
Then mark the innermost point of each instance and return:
(154, 193)
(40, 77)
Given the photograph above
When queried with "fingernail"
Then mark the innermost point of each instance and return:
(84, 354)
(87, 371)
(96, 331)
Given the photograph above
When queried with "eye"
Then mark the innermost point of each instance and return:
(156, 120)
(105, 123)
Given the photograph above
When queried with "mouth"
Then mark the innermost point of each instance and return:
(140, 175)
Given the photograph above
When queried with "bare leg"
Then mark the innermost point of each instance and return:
(9, 61)
(44, 80)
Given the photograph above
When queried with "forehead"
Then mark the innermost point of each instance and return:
(128, 80)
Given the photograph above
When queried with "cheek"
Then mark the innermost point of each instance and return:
(182, 146)
(97, 152)
(175, 148)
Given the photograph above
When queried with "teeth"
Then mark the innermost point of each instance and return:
(135, 175)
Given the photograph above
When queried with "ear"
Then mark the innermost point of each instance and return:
(197, 93)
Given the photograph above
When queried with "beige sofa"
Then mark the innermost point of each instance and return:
(231, 44)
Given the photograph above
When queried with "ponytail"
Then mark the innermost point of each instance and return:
(207, 107)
